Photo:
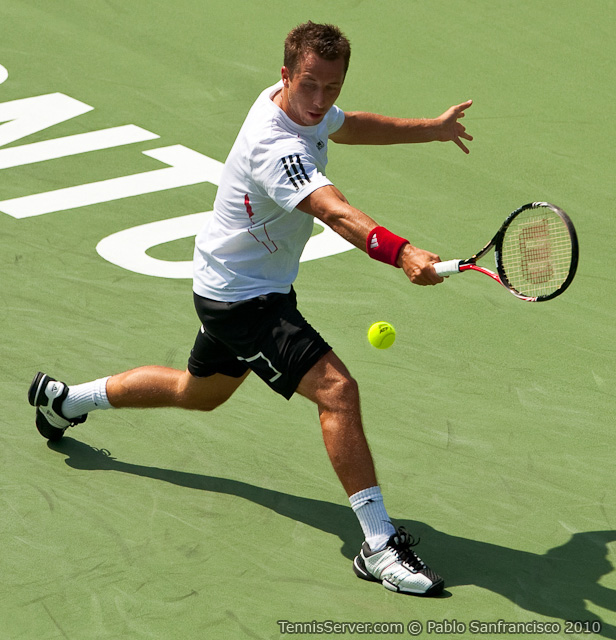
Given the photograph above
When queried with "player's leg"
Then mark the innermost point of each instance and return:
(330, 385)
(286, 352)
(154, 386)
(386, 556)
(212, 376)
(59, 406)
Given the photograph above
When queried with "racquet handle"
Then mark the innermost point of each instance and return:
(447, 268)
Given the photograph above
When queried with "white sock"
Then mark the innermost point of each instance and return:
(370, 511)
(83, 398)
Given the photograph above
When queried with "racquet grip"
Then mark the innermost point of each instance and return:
(447, 268)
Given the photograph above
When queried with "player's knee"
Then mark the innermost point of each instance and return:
(197, 397)
(342, 392)
(350, 389)
(204, 401)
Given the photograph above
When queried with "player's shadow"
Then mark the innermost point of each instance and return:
(555, 584)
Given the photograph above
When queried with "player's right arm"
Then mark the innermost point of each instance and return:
(330, 206)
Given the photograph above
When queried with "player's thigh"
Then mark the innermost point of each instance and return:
(207, 393)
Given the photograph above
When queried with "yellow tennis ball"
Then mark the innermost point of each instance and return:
(381, 335)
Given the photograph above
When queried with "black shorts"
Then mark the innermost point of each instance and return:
(266, 334)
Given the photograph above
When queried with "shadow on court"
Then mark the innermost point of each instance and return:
(554, 584)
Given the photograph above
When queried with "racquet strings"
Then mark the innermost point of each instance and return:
(536, 252)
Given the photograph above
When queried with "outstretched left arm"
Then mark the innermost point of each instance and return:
(370, 128)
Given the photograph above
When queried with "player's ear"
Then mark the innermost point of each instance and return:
(286, 77)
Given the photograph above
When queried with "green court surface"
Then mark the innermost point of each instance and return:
(491, 420)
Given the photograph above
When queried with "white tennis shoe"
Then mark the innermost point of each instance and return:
(47, 395)
(398, 567)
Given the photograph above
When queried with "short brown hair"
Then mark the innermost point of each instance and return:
(326, 40)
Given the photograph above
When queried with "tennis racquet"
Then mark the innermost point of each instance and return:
(535, 250)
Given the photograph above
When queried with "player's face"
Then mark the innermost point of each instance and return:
(313, 89)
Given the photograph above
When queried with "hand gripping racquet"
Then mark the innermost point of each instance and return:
(536, 253)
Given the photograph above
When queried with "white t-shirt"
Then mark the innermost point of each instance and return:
(252, 243)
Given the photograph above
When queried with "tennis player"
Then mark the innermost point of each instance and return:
(245, 262)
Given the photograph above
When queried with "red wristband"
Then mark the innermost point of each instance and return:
(384, 246)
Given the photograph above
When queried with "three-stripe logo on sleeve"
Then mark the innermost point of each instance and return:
(295, 170)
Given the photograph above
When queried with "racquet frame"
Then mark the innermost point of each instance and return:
(455, 266)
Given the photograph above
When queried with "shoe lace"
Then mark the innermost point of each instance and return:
(406, 555)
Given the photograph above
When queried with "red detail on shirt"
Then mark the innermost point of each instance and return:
(249, 210)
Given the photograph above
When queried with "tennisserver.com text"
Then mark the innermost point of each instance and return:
(440, 627)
